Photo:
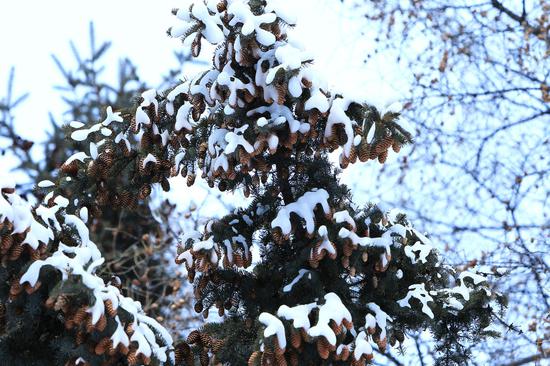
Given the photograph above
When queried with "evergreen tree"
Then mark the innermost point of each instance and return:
(332, 280)
(54, 309)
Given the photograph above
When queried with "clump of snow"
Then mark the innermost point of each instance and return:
(303, 207)
(80, 156)
(419, 292)
(252, 23)
(385, 241)
(362, 346)
(332, 309)
(45, 184)
(381, 318)
(273, 326)
(418, 252)
(299, 315)
(344, 216)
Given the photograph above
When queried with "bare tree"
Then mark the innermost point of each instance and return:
(479, 170)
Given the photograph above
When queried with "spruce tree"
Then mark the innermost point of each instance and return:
(332, 280)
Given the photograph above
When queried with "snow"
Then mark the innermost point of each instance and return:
(80, 156)
(227, 78)
(317, 100)
(212, 23)
(418, 249)
(344, 216)
(150, 97)
(362, 346)
(182, 118)
(381, 318)
(299, 315)
(81, 135)
(279, 114)
(122, 137)
(296, 279)
(18, 211)
(337, 115)
(61, 201)
(325, 243)
(119, 336)
(281, 8)
(106, 132)
(332, 309)
(236, 139)
(289, 58)
(93, 150)
(207, 244)
(463, 290)
(385, 241)
(303, 207)
(76, 124)
(273, 326)
(111, 117)
(142, 118)
(251, 23)
(150, 158)
(180, 89)
(370, 321)
(45, 184)
(419, 292)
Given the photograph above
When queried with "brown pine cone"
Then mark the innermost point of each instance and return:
(194, 337)
(323, 347)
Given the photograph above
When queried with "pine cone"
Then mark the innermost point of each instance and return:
(280, 359)
(132, 358)
(383, 156)
(194, 337)
(103, 346)
(191, 180)
(204, 359)
(396, 146)
(400, 336)
(295, 338)
(345, 262)
(348, 248)
(70, 169)
(281, 93)
(254, 358)
(345, 353)
(382, 344)
(196, 45)
(206, 340)
(336, 328)
(80, 315)
(15, 252)
(6, 243)
(323, 347)
(101, 323)
(80, 337)
(61, 303)
(348, 324)
(144, 191)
